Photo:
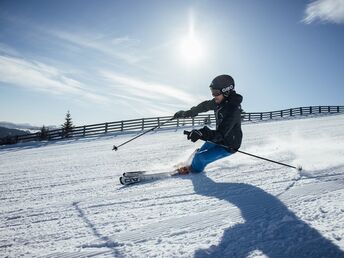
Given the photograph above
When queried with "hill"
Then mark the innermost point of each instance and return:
(11, 132)
(22, 126)
(63, 199)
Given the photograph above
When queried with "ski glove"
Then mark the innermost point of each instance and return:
(182, 114)
(195, 135)
(207, 134)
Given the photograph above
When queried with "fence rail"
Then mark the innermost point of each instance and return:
(138, 125)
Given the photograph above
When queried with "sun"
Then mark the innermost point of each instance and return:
(191, 46)
(191, 50)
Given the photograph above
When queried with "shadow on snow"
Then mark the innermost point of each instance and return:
(106, 242)
(269, 225)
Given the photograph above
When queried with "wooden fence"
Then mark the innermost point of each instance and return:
(138, 125)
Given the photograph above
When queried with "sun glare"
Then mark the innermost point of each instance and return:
(191, 47)
(191, 50)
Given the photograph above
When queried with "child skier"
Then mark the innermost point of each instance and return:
(226, 139)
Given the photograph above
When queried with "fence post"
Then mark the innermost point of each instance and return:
(281, 113)
(291, 112)
(122, 126)
(337, 109)
(261, 116)
(84, 131)
(270, 115)
(319, 109)
(143, 124)
(177, 122)
(301, 111)
(106, 127)
(159, 122)
(193, 121)
(249, 116)
(310, 110)
(329, 109)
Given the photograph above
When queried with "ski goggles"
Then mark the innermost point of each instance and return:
(216, 92)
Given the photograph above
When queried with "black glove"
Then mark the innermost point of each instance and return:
(182, 114)
(207, 134)
(195, 135)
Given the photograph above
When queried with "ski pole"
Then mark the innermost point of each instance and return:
(299, 168)
(137, 136)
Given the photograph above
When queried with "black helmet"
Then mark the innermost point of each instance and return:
(222, 84)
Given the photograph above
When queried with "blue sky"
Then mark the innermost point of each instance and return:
(117, 60)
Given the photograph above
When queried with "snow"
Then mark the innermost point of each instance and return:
(63, 199)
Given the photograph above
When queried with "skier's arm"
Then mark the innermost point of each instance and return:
(194, 111)
(202, 107)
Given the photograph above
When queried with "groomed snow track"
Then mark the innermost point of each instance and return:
(63, 199)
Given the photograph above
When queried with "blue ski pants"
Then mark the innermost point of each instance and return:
(208, 153)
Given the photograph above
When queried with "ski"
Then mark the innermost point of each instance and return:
(134, 173)
(134, 177)
(124, 180)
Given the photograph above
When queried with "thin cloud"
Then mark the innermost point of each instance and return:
(331, 11)
(8, 50)
(145, 107)
(114, 49)
(147, 90)
(36, 76)
(120, 48)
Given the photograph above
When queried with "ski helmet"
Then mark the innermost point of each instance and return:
(222, 84)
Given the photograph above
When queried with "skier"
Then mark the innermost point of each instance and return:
(227, 137)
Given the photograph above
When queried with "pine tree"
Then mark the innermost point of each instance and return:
(67, 127)
(44, 133)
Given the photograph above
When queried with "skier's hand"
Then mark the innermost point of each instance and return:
(206, 133)
(195, 135)
(182, 114)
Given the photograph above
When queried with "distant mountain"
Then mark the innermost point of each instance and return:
(10, 129)
(22, 126)
(11, 132)
(28, 128)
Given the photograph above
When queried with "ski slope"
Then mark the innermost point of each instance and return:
(63, 199)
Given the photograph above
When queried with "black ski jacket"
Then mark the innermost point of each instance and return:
(228, 121)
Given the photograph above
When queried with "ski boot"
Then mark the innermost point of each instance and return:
(184, 170)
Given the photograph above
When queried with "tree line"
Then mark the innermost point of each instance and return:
(67, 128)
